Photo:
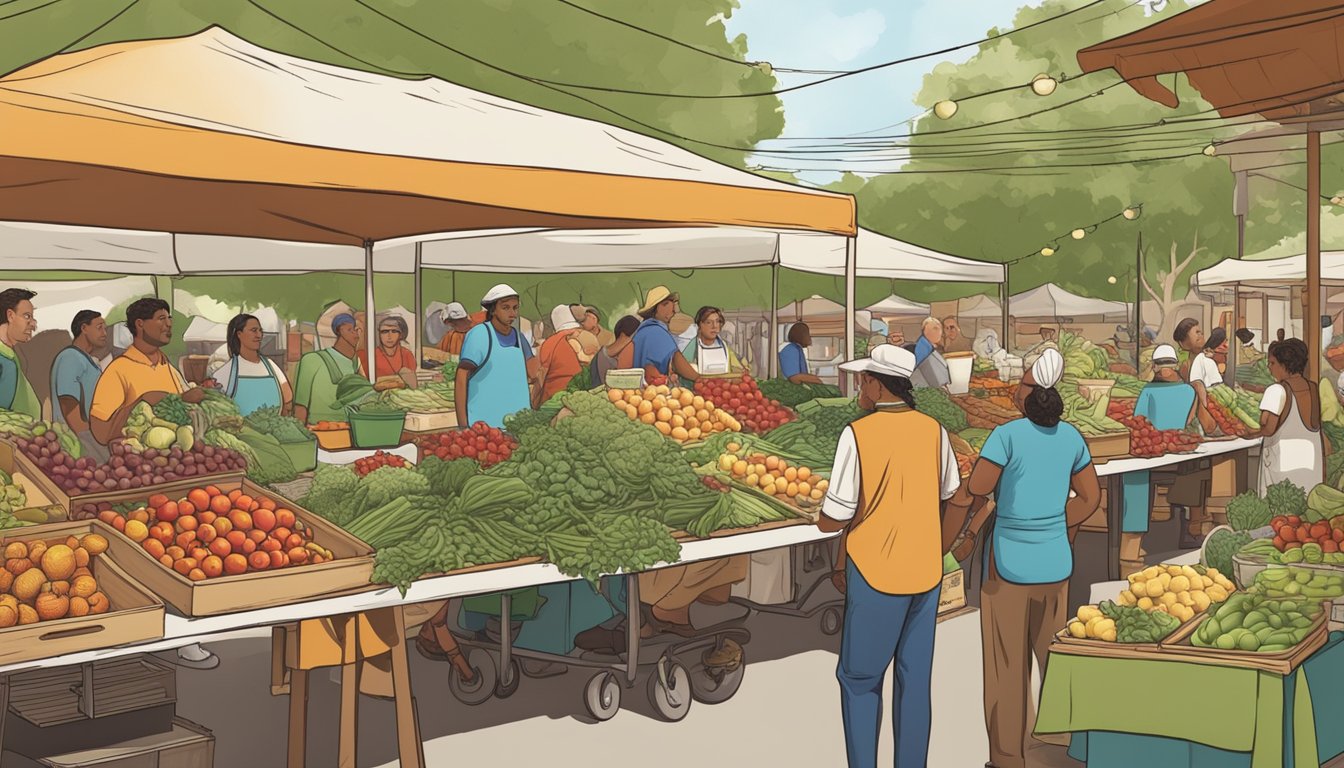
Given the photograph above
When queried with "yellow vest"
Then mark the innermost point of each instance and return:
(897, 543)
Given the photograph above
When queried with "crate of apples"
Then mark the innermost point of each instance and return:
(209, 533)
(51, 580)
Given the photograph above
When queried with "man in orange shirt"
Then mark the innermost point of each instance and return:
(562, 356)
(455, 317)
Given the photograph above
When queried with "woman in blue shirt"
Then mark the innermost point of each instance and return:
(792, 358)
(496, 364)
(656, 349)
(1030, 465)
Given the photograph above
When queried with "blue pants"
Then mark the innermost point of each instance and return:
(880, 628)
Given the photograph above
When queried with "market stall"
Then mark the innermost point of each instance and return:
(1053, 307)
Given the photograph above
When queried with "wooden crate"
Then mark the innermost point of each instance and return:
(1109, 446)
(430, 422)
(1178, 647)
(35, 488)
(48, 488)
(136, 615)
(952, 596)
(187, 745)
(349, 572)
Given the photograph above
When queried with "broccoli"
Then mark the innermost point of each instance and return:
(1286, 498)
(1221, 546)
(936, 403)
(446, 478)
(1248, 512)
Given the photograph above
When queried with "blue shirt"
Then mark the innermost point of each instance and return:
(1166, 405)
(792, 360)
(1030, 540)
(74, 374)
(654, 345)
(923, 348)
(475, 346)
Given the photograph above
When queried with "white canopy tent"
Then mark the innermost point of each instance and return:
(1269, 273)
(1051, 301)
(978, 307)
(896, 306)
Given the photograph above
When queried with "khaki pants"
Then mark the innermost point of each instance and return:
(675, 588)
(1017, 621)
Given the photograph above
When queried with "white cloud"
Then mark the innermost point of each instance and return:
(844, 38)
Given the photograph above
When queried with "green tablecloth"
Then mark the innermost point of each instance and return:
(1129, 712)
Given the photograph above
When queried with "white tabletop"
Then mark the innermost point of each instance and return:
(1205, 450)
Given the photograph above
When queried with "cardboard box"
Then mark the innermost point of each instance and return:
(187, 745)
(953, 594)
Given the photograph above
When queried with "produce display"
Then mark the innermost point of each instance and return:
(792, 395)
(127, 468)
(208, 533)
(17, 426)
(46, 580)
(982, 412)
(378, 460)
(813, 437)
(1247, 512)
(1304, 584)
(1085, 360)
(677, 413)
(1147, 441)
(422, 400)
(1256, 375)
(1180, 590)
(939, 406)
(1114, 623)
(1221, 546)
(1089, 415)
(285, 429)
(773, 476)
(1236, 411)
(481, 443)
(743, 400)
(1256, 623)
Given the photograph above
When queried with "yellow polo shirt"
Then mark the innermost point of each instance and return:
(129, 378)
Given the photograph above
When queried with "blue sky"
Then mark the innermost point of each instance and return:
(850, 34)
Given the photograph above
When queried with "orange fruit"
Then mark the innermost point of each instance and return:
(9, 616)
(279, 559)
(242, 501)
(106, 516)
(168, 511)
(27, 615)
(235, 564)
(83, 586)
(58, 562)
(234, 494)
(266, 503)
(137, 531)
(259, 560)
(249, 547)
(208, 518)
(60, 588)
(199, 554)
(206, 533)
(212, 566)
(29, 584)
(235, 539)
(157, 500)
(184, 565)
(72, 542)
(167, 560)
(186, 540)
(281, 533)
(263, 519)
(141, 514)
(196, 574)
(185, 507)
(36, 550)
(96, 544)
(285, 518)
(18, 565)
(188, 523)
(175, 552)
(16, 550)
(257, 536)
(298, 555)
(242, 521)
(221, 548)
(198, 498)
(6, 580)
(154, 547)
(222, 525)
(51, 607)
(220, 505)
(119, 523)
(270, 545)
(98, 603)
(213, 490)
(79, 606)
(294, 540)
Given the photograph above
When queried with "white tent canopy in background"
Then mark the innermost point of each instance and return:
(895, 306)
(1050, 301)
(978, 307)
(884, 257)
(1274, 273)
(204, 329)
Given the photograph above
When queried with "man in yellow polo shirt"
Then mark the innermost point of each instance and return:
(142, 373)
(894, 471)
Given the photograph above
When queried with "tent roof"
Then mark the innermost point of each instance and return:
(882, 256)
(201, 329)
(978, 307)
(1050, 300)
(210, 134)
(1269, 273)
(1280, 59)
(895, 306)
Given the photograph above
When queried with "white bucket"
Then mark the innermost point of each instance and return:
(959, 365)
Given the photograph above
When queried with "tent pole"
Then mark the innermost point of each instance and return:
(1240, 206)
(1311, 323)
(772, 349)
(1003, 307)
(851, 259)
(419, 311)
(370, 322)
(1138, 304)
(1233, 342)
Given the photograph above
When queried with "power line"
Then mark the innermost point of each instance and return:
(990, 170)
(1326, 198)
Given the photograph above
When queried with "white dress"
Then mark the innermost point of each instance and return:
(1293, 453)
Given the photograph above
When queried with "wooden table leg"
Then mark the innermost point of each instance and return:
(346, 756)
(1115, 508)
(298, 717)
(279, 670)
(409, 748)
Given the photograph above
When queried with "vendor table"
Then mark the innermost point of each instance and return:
(181, 631)
(1127, 712)
(1114, 471)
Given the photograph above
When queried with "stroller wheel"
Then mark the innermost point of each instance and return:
(717, 684)
(482, 685)
(509, 679)
(602, 696)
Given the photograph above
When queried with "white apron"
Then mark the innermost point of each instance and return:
(1293, 453)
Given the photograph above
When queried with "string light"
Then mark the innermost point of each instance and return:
(1043, 84)
(1047, 251)
(1337, 200)
(1129, 214)
(1133, 212)
(945, 109)
(1211, 150)
(1079, 234)
(1111, 280)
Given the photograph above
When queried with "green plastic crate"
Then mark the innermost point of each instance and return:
(377, 430)
(302, 454)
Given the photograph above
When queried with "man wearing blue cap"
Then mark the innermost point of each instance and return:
(321, 370)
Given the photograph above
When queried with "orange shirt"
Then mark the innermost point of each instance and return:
(385, 366)
(561, 362)
(129, 378)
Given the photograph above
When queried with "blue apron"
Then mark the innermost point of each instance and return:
(252, 393)
(498, 386)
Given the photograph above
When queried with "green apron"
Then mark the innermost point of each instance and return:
(16, 394)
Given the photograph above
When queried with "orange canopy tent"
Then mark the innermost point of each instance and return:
(1280, 60)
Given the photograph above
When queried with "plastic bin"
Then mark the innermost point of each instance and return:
(302, 454)
(377, 430)
(959, 365)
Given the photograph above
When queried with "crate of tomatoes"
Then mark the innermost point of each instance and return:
(235, 546)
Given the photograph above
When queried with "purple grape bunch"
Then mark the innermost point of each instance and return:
(126, 469)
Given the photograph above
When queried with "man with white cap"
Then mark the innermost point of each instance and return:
(1030, 466)
(455, 317)
(496, 364)
(894, 469)
(1167, 403)
(563, 355)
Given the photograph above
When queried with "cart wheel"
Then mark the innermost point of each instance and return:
(479, 688)
(671, 700)
(831, 621)
(509, 678)
(602, 696)
(715, 685)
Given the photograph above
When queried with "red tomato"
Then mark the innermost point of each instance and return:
(1279, 543)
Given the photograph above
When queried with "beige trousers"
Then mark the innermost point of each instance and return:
(675, 588)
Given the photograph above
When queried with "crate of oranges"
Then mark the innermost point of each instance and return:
(61, 593)
(235, 546)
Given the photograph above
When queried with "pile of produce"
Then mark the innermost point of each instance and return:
(1147, 441)
(678, 413)
(285, 429)
(207, 533)
(1089, 415)
(743, 400)
(481, 443)
(811, 439)
(422, 400)
(1115, 623)
(980, 412)
(330, 426)
(1304, 541)
(1236, 411)
(1299, 584)
(267, 460)
(1121, 410)
(377, 461)
(773, 476)
(127, 468)
(17, 426)
(937, 405)
(1256, 623)
(1221, 546)
(1180, 590)
(50, 580)
(1255, 375)
(792, 395)
(163, 429)
(1247, 512)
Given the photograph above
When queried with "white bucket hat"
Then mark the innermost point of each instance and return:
(888, 359)
(501, 291)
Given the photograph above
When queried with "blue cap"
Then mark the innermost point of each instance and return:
(345, 318)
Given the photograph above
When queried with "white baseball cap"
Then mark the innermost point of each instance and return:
(501, 291)
(455, 311)
(1164, 354)
(888, 359)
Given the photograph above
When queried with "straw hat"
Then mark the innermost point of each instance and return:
(656, 295)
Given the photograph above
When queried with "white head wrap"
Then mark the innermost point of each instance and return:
(562, 319)
(1048, 368)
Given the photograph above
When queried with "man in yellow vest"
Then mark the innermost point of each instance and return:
(894, 469)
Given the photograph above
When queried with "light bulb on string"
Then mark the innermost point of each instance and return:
(765, 68)
(1133, 212)
(1079, 234)
(1043, 84)
(1047, 251)
(1337, 200)
(1211, 150)
(1111, 280)
(945, 109)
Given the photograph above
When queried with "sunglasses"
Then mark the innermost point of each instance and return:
(388, 330)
